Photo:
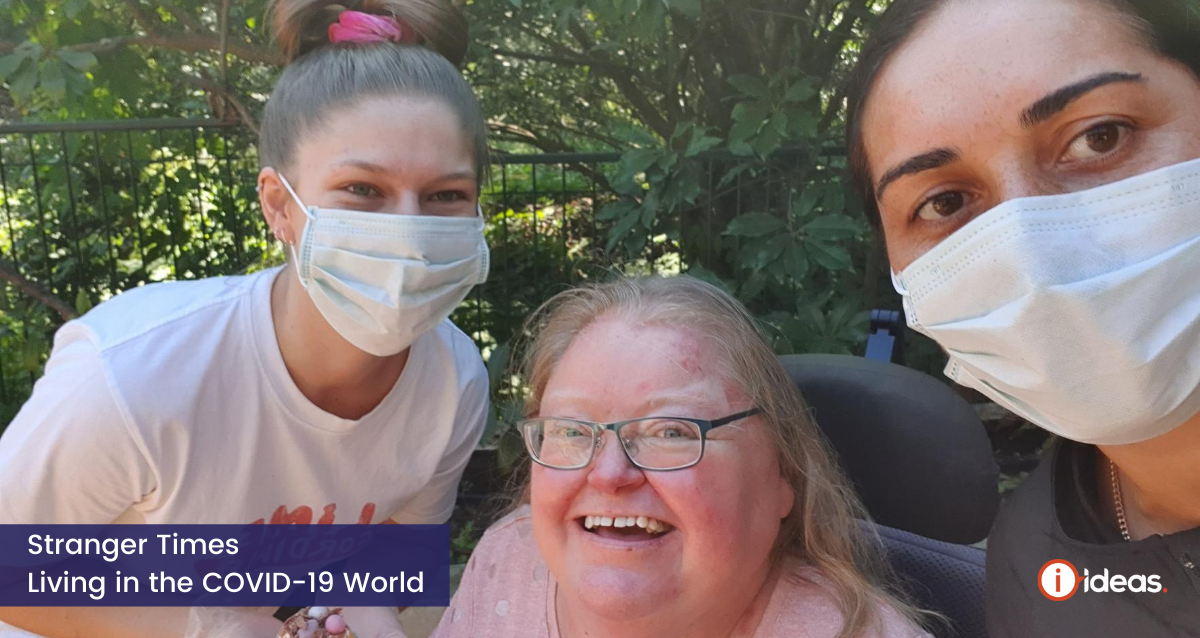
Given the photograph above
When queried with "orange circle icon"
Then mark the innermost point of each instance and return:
(1058, 579)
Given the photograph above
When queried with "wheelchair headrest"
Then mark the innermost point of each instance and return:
(914, 449)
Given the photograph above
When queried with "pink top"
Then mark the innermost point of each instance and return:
(506, 591)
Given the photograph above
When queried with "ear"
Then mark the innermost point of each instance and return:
(785, 497)
(274, 198)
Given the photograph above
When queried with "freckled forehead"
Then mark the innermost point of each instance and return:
(624, 364)
(969, 71)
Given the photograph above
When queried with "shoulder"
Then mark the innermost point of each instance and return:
(461, 350)
(804, 597)
(1028, 513)
(168, 308)
(507, 557)
(511, 536)
(504, 586)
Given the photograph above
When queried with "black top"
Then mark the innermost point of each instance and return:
(1056, 514)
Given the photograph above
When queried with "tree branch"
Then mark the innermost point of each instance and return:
(535, 57)
(189, 42)
(225, 42)
(229, 95)
(624, 78)
(38, 293)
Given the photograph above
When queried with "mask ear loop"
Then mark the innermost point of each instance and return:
(310, 214)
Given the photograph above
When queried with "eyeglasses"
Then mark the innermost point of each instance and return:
(659, 443)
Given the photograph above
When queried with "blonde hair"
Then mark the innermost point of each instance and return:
(321, 75)
(821, 529)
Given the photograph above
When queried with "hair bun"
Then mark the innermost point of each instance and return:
(299, 26)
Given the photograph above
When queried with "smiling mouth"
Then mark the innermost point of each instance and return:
(630, 528)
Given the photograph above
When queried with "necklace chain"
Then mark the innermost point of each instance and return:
(1118, 501)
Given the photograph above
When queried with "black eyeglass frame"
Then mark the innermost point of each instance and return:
(598, 429)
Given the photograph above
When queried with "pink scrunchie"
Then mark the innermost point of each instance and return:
(356, 26)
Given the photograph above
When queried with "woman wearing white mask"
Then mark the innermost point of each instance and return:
(1033, 165)
(332, 390)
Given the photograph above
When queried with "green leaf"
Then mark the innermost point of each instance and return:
(689, 8)
(615, 210)
(758, 254)
(830, 256)
(743, 130)
(779, 122)
(800, 91)
(72, 8)
(803, 205)
(833, 227)
(751, 86)
(753, 286)
(515, 3)
(22, 83)
(83, 303)
(80, 60)
(497, 362)
(703, 274)
(767, 142)
(701, 144)
(753, 225)
(53, 81)
(9, 65)
(795, 262)
(753, 111)
(802, 122)
(29, 50)
(835, 198)
(649, 211)
(637, 161)
(620, 230)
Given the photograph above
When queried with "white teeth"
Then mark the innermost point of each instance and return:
(654, 526)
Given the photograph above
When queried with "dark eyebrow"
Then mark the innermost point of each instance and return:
(924, 162)
(1055, 102)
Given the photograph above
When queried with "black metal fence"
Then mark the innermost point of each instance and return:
(90, 209)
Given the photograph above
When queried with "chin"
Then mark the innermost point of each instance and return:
(621, 593)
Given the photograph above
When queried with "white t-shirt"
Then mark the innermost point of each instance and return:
(171, 404)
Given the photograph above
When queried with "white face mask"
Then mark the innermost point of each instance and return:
(1078, 312)
(383, 280)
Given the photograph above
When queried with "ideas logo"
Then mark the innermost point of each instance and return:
(1059, 580)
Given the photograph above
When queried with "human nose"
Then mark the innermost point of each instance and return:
(409, 204)
(611, 470)
(1026, 179)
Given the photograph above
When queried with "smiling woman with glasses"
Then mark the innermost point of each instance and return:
(677, 487)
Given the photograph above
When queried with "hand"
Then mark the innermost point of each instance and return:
(374, 622)
(224, 622)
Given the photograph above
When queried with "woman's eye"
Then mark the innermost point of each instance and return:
(446, 197)
(361, 190)
(942, 206)
(1098, 141)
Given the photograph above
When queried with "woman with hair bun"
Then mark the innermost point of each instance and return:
(331, 389)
